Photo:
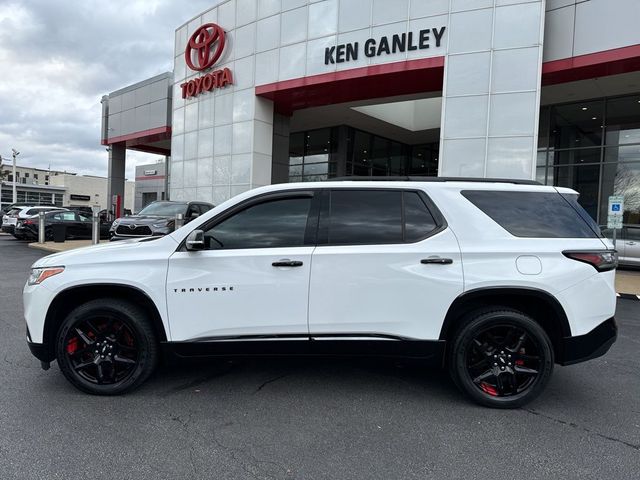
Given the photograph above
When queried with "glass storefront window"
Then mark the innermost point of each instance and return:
(622, 179)
(396, 159)
(310, 155)
(316, 155)
(380, 156)
(296, 148)
(623, 120)
(577, 156)
(577, 125)
(580, 158)
(584, 179)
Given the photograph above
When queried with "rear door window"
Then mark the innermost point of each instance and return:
(534, 214)
(372, 216)
(358, 217)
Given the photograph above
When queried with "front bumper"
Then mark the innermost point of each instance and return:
(40, 351)
(590, 345)
(114, 237)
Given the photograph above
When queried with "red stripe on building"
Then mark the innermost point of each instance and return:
(592, 65)
(374, 81)
(153, 134)
(150, 177)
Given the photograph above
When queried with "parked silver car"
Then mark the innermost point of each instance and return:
(627, 244)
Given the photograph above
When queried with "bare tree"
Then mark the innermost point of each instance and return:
(627, 183)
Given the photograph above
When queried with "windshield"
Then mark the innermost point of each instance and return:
(164, 209)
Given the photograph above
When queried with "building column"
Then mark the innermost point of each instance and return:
(116, 175)
(491, 92)
(280, 155)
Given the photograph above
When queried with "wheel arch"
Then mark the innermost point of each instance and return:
(65, 301)
(539, 304)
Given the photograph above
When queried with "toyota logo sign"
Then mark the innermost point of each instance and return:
(204, 49)
(207, 42)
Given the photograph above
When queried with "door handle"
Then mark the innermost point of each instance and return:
(287, 263)
(437, 261)
(631, 243)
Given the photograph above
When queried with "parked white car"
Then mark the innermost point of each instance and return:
(627, 244)
(495, 280)
(10, 219)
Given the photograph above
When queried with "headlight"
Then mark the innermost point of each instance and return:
(116, 222)
(39, 275)
(160, 225)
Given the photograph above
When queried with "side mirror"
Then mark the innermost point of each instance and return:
(195, 241)
(193, 216)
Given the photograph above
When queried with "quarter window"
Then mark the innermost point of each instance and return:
(534, 214)
(276, 223)
(418, 220)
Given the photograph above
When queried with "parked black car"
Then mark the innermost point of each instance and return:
(77, 226)
(157, 218)
(87, 211)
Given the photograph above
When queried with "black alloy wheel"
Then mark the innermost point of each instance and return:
(106, 347)
(502, 358)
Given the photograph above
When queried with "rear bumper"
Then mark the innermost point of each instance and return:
(8, 228)
(590, 345)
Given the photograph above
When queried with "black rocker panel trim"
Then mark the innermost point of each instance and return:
(347, 345)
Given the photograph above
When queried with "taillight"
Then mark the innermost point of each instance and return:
(601, 260)
(28, 222)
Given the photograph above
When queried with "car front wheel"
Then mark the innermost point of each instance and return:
(501, 358)
(106, 347)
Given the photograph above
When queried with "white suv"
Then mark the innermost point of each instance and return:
(495, 280)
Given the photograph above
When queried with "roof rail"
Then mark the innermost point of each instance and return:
(434, 179)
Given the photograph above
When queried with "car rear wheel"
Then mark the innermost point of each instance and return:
(106, 347)
(501, 358)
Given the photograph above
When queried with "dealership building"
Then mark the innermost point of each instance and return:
(271, 91)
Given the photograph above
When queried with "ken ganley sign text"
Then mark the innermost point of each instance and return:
(204, 49)
(374, 47)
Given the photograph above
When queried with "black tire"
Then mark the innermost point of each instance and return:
(48, 235)
(493, 356)
(106, 347)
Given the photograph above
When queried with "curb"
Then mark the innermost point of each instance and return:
(44, 248)
(628, 296)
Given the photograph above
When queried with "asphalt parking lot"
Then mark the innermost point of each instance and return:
(309, 419)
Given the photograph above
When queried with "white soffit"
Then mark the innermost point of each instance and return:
(413, 115)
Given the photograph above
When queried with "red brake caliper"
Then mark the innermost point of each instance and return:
(72, 346)
(489, 389)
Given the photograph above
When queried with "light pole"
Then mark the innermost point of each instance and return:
(15, 153)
